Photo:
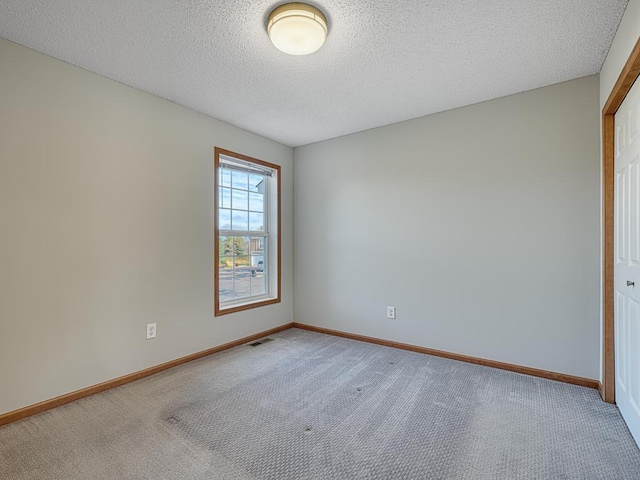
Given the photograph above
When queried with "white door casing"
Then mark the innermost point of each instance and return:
(627, 260)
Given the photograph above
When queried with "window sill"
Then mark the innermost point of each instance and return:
(238, 306)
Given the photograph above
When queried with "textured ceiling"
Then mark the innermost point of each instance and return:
(384, 61)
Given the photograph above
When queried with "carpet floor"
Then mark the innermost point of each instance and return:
(312, 406)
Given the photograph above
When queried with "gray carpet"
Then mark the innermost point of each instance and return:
(311, 406)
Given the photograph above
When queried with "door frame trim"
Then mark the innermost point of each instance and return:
(627, 77)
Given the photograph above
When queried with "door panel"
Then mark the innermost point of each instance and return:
(633, 329)
(620, 141)
(634, 212)
(620, 323)
(627, 264)
(621, 213)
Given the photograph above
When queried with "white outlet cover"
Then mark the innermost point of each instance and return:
(151, 330)
(391, 312)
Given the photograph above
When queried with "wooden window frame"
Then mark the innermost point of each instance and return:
(625, 81)
(278, 240)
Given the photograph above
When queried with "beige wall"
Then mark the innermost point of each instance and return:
(624, 41)
(481, 225)
(107, 224)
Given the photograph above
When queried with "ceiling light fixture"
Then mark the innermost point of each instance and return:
(297, 28)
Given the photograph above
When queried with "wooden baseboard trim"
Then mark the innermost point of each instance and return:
(34, 409)
(560, 377)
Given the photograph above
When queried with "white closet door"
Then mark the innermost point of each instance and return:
(627, 260)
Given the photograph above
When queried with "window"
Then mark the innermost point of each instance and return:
(247, 232)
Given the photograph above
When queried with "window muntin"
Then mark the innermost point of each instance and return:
(247, 232)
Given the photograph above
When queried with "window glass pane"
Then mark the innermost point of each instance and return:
(242, 277)
(225, 198)
(256, 183)
(257, 246)
(242, 262)
(225, 177)
(258, 276)
(256, 202)
(256, 222)
(240, 199)
(225, 279)
(224, 219)
(239, 180)
(240, 220)
(225, 247)
(241, 246)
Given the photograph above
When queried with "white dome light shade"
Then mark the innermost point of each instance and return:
(297, 28)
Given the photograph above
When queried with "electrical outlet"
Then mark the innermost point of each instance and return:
(151, 331)
(391, 312)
